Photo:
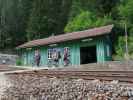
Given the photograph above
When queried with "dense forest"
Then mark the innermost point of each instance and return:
(25, 20)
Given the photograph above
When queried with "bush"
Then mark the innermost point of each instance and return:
(18, 62)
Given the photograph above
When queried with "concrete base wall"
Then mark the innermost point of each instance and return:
(8, 59)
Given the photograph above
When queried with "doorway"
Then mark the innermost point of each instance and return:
(88, 55)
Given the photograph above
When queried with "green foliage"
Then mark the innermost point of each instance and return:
(126, 13)
(125, 17)
(98, 7)
(47, 17)
(18, 62)
(86, 20)
(121, 48)
(14, 16)
(126, 10)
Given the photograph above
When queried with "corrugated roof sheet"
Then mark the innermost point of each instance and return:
(69, 36)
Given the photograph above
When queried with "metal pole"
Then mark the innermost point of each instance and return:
(126, 41)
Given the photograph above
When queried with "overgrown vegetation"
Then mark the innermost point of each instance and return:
(19, 62)
(24, 20)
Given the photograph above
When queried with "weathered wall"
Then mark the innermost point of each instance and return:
(101, 51)
(38, 87)
(8, 59)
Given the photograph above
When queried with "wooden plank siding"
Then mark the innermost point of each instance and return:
(103, 51)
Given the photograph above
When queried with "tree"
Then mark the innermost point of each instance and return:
(48, 17)
(14, 16)
(121, 48)
(126, 13)
(125, 17)
(101, 8)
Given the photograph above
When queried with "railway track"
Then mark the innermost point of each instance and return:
(74, 73)
(122, 76)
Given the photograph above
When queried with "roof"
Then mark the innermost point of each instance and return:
(69, 36)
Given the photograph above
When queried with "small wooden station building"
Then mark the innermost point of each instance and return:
(88, 46)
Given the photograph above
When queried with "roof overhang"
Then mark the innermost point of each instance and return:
(104, 30)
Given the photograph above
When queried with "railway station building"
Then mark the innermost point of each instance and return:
(82, 47)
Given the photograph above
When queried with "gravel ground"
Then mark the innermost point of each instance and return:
(37, 87)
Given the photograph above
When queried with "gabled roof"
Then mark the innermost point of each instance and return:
(69, 36)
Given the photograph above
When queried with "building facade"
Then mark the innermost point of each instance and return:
(83, 47)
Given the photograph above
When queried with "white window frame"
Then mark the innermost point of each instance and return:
(49, 53)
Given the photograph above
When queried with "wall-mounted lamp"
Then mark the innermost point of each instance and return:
(53, 45)
(86, 40)
(28, 48)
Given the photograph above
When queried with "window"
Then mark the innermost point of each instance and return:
(50, 51)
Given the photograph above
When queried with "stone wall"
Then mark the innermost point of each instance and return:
(19, 86)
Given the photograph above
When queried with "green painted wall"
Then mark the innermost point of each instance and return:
(103, 51)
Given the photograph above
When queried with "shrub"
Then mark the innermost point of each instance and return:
(18, 62)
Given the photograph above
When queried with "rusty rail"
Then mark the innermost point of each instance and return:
(122, 76)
